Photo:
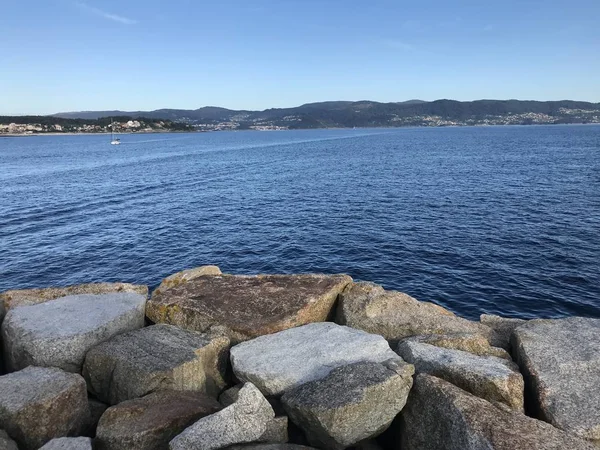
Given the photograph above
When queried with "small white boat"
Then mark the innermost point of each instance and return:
(113, 139)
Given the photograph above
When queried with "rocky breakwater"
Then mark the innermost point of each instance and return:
(286, 362)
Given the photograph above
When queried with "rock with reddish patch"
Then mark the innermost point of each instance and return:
(38, 404)
(245, 307)
(150, 422)
(184, 276)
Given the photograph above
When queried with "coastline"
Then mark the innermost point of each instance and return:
(104, 133)
(11, 135)
(373, 366)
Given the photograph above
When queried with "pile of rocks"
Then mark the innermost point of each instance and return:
(284, 362)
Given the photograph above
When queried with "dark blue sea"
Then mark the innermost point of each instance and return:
(500, 220)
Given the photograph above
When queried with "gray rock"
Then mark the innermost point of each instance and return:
(503, 328)
(229, 396)
(38, 404)
(439, 415)
(276, 432)
(467, 342)
(78, 443)
(281, 361)
(244, 421)
(244, 307)
(560, 360)
(58, 333)
(6, 443)
(395, 315)
(2, 312)
(277, 429)
(155, 358)
(24, 297)
(150, 422)
(488, 377)
(353, 403)
(269, 447)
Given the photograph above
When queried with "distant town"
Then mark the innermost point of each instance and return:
(30, 125)
(529, 118)
(364, 114)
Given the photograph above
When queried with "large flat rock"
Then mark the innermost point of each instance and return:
(24, 297)
(155, 358)
(150, 422)
(439, 415)
(560, 360)
(245, 307)
(58, 333)
(396, 315)
(494, 379)
(38, 404)
(242, 422)
(351, 404)
(284, 360)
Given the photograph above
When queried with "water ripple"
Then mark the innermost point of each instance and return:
(501, 219)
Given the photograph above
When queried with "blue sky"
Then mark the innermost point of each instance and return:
(63, 55)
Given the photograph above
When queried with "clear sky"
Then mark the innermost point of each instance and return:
(70, 55)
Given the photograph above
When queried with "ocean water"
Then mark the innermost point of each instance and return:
(501, 220)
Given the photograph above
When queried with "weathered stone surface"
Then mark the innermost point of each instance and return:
(352, 403)
(503, 328)
(395, 315)
(245, 307)
(58, 333)
(150, 422)
(155, 358)
(276, 432)
(6, 443)
(467, 342)
(488, 377)
(560, 360)
(79, 443)
(229, 396)
(281, 361)
(38, 404)
(96, 408)
(184, 276)
(277, 429)
(24, 297)
(269, 447)
(244, 421)
(439, 415)
(1, 345)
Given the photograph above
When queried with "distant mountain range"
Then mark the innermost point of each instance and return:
(344, 114)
